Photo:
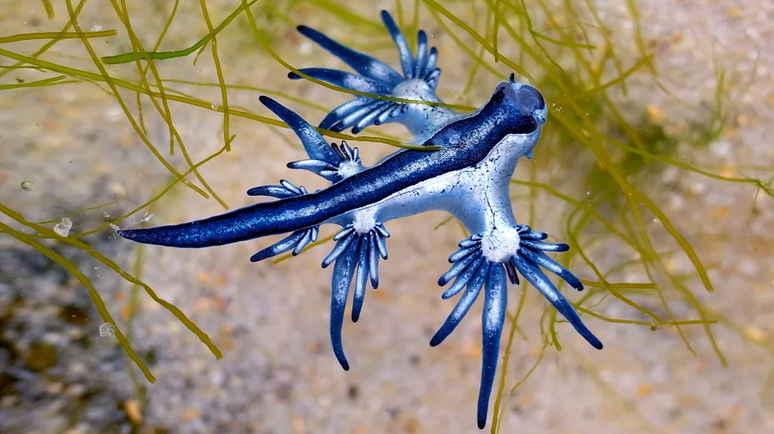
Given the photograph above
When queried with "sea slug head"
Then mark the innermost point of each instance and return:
(529, 100)
(522, 109)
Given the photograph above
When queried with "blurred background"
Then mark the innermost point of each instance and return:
(655, 166)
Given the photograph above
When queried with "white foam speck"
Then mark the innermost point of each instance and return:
(106, 330)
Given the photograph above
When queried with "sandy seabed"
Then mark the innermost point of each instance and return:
(278, 375)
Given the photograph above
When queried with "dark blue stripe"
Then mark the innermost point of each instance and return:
(465, 143)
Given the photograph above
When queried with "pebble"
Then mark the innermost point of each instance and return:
(133, 411)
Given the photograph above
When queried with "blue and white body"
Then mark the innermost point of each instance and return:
(469, 177)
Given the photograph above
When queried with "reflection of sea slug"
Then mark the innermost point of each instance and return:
(469, 176)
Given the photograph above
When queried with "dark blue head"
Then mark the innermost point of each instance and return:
(529, 100)
(520, 111)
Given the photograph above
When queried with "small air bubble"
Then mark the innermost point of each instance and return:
(145, 218)
(214, 106)
(27, 185)
(63, 228)
(115, 227)
(106, 330)
(96, 28)
(655, 220)
(588, 193)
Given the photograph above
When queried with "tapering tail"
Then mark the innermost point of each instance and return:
(254, 221)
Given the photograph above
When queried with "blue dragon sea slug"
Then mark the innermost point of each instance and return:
(468, 176)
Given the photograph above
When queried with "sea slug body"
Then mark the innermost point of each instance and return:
(468, 176)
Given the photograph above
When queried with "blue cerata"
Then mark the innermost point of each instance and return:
(468, 176)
